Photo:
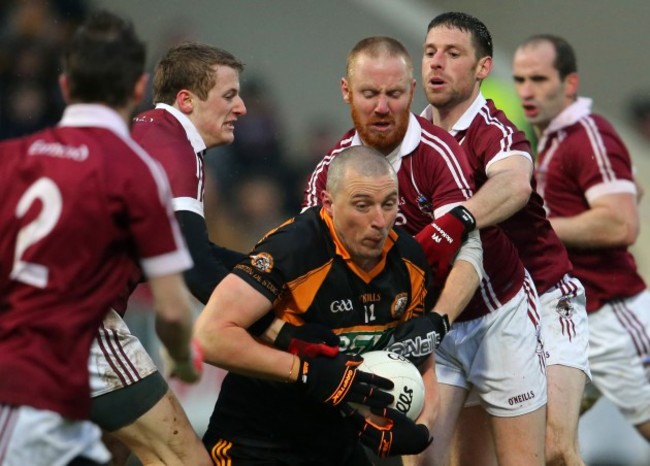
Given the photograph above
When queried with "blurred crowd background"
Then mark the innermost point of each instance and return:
(295, 52)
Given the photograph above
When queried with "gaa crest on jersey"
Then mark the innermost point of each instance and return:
(424, 205)
(399, 305)
(262, 262)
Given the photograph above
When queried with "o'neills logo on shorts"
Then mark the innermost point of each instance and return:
(521, 398)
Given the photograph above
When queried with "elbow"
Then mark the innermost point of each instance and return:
(521, 193)
(624, 235)
(630, 235)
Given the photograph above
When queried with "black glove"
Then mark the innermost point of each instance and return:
(417, 338)
(399, 436)
(442, 239)
(335, 380)
(307, 340)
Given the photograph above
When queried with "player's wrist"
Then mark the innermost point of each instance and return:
(465, 217)
(285, 333)
(294, 370)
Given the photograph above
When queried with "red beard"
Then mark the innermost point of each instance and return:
(383, 142)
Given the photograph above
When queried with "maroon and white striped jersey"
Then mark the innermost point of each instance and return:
(581, 157)
(172, 139)
(432, 173)
(487, 136)
(80, 204)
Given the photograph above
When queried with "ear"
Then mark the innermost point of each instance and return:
(326, 202)
(64, 85)
(345, 90)
(414, 85)
(571, 84)
(140, 89)
(484, 68)
(184, 101)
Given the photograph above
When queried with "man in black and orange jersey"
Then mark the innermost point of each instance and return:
(342, 266)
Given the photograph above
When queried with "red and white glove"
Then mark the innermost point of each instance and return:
(188, 370)
(310, 339)
(442, 239)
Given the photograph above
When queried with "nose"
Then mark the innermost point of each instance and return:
(379, 221)
(382, 105)
(436, 60)
(240, 107)
(524, 90)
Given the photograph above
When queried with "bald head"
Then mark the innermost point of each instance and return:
(362, 200)
(361, 161)
(376, 47)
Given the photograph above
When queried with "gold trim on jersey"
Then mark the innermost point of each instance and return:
(341, 251)
(219, 453)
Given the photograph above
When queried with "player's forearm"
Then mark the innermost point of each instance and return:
(173, 314)
(595, 228)
(232, 348)
(503, 195)
(460, 286)
(222, 331)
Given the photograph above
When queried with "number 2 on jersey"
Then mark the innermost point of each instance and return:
(45, 190)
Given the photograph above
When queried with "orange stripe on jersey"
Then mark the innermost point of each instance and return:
(344, 253)
(418, 288)
(273, 230)
(219, 453)
(365, 328)
(302, 291)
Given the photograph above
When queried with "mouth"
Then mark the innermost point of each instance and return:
(530, 110)
(436, 83)
(381, 126)
(375, 241)
(230, 124)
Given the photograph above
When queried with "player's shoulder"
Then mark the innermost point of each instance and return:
(603, 125)
(346, 141)
(158, 131)
(409, 248)
(300, 232)
(492, 131)
(301, 243)
(433, 136)
(492, 118)
(589, 130)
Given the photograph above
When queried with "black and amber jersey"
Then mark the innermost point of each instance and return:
(304, 269)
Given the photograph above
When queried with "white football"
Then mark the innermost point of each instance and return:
(409, 386)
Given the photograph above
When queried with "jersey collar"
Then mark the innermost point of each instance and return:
(570, 115)
(190, 130)
(345, 255)
(465, 120)
(95, 115)
(409, 143)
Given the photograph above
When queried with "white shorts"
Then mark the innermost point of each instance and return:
(37, 437)
(565, 325)
(117, 358)
(499, 356)
(619, 354)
